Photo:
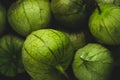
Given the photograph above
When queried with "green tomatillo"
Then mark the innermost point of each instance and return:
(70, 14)
(92, 62)
(26, 16)
(104, 24)
(78, 39)
(10, 55)
(46, 54)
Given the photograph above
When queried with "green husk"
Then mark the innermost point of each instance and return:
(43, 51)
(10, 55)
(78, 39)
(70, 14)
(92, 62)
(26, 16)
(105, 26)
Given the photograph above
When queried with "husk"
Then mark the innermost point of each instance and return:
(43, 50)
(105, 26)
(26, 16)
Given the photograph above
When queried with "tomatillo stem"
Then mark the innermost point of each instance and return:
(98, 7)
(61, 70)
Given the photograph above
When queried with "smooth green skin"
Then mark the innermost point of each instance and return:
(10, 55)
(26, 16)
(69, 13)
(92, 62)
(44, 51)
(105, 26)
(78, 39)
(2, 19)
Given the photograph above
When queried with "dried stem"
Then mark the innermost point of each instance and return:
(98, 7)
